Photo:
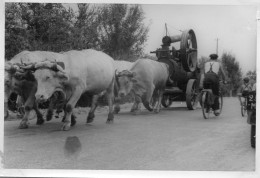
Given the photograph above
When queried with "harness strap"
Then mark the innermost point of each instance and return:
(211, 64)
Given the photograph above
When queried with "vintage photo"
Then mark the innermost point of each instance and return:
(125, 86)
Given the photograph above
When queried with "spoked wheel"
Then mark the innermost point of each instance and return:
(166, 102)
(188, 50)
(204, 106)
(252, 136)
(191, 94)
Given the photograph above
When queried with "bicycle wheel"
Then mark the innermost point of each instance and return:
(243, 110)
(204, 106)
(252, 136)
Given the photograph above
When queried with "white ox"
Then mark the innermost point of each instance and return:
(86, 71)
(119, 67)
(147, 80)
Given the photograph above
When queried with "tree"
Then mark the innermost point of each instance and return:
(15, 31)
(122, 33)
(37, 26)
(233, 72)
(85, 34)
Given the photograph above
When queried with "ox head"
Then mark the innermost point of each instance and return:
(125, 81)
(50, 78)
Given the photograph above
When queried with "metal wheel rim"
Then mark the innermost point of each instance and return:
(191, 94)
(188, 49)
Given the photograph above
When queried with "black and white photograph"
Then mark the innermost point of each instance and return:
(98, 89)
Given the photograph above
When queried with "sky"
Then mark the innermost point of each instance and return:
(235, 26)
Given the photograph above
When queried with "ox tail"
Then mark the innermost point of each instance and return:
(146, 104)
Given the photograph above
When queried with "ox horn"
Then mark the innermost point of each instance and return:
(126, 73)
(11, 67)
(59, 68)
(28, 67)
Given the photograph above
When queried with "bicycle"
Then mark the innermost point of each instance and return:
(207, 101)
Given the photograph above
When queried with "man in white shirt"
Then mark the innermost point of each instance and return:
(212, 68)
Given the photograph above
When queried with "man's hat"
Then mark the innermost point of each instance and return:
(213, 56)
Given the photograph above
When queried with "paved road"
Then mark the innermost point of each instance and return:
(174, 139)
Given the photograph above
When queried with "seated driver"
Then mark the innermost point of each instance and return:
(212, 68)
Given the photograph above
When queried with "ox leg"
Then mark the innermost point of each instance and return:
(117, 106)
(134, 107)
(147, 98)
(28, 106)
(69, 108)
(159, 99)
(91, 113)
(50, 111)
(110, 117)
(137, 105)
(24, 122)
(110, 99)
(40, 119)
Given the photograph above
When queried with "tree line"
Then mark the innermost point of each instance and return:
(116, 29)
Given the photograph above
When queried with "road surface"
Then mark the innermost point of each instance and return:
(174, 139)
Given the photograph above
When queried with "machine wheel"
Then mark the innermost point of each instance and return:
(166, 102)
(188, 50)
(252, 136)
(192, 94)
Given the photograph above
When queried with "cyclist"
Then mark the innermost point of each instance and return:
(212, 68)
(245, 88)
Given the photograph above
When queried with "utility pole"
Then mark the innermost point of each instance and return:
(217, 46)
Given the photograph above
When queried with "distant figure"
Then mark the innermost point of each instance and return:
(72, 147)
(254, 87)
(211, 80)
(245, 88)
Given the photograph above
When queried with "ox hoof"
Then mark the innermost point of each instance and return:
(116, 110)
(40, 121)
(110, 118)
(23, 125)
(66, 126)
(90, 117)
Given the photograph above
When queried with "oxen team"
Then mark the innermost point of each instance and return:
(63, 78)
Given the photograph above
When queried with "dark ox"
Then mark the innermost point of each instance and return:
(85, 71)
(23, 84)
(146, 80)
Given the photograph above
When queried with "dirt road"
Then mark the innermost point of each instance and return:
(174, 139)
